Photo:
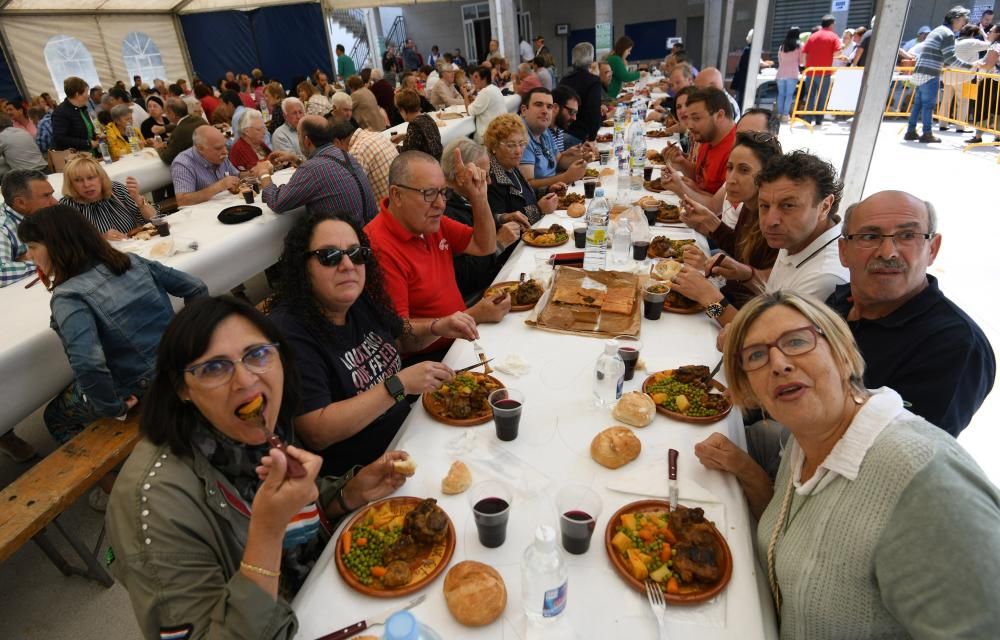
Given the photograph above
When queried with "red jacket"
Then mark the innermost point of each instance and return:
(242, 155)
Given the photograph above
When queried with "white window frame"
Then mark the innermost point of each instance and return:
(142, 57)
(66, 56)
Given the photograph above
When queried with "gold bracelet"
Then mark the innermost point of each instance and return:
(259, 570)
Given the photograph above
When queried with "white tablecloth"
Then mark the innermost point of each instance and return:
(146, 167)
(552, 450)
(463, 127)
(32, 362)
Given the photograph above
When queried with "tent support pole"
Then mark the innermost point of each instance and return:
(179, 31)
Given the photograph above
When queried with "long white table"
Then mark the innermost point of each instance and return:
(551, 451)
(32, 359)
(459, 127)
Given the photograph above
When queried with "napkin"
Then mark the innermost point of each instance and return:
(512, 364)
(651, 480)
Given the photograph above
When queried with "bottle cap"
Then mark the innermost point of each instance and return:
(545, 535)
(402, 626)
(599, 192)
(610, 348)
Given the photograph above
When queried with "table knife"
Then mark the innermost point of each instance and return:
(473, 366)
(672, 475)
(358, 627)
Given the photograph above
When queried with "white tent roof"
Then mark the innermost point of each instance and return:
(169, 6)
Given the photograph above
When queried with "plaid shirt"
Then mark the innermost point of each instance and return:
(11, 247)
(331, 180)
(43, 136)
(375, 152)
(191, 172)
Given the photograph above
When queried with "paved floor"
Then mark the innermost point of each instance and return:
(36, 601)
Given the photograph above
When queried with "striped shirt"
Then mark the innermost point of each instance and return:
(117, 212)
(331, 180)
(12, 270)
(191, 172)
(938, 52)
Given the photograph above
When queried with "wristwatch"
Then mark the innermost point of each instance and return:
(395, 388)
(715, 309)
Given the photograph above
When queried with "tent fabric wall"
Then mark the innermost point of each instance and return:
(219, 41)
(291, 41)
(284, 41)
(102, 34)
(8, 88)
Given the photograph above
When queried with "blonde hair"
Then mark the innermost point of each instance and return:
(500, 128)
(84, 165)
(835, 331)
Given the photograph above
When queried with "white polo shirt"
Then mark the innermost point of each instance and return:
(814, 271)
(488, 104)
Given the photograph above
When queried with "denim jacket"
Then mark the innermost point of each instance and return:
(110, 327)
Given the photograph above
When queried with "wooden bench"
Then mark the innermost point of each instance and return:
(39, 496)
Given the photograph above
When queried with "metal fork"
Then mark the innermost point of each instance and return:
(656, 603)
(478, 350)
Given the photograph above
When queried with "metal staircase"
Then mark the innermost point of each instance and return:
(355, 22)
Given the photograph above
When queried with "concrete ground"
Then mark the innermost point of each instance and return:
(36, 601)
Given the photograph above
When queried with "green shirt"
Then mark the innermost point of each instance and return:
(619, 75)
(345, 67)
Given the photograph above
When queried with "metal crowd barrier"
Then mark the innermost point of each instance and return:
(966, 98)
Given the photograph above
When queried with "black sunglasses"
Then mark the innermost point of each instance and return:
(331, 257)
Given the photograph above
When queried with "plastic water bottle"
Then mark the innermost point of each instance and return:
(596, 249)
(264, 112)
(544, 577)
(621, 243)
(133, 139)
(609, 376)
(403, 625)
(624, 158)
(639, 107)
(102, 144)
(637, 144)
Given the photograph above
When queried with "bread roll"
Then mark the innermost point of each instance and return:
(607, 171)
(576, 210)
(405, 467)
(615, 447)
(665, 270)
(459, 479)
(475, 593)
(635, 408)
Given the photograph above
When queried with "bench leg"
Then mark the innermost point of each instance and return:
(94, 570)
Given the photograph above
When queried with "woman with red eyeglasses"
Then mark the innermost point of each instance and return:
(347, 342)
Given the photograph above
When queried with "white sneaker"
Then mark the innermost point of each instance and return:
(98, 500)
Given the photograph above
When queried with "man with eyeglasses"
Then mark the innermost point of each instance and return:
(913, 338)
(330, 180)
(415, 243)
(542, 164)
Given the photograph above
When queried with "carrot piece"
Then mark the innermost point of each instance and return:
(668, 535)
(378, 572)
(665, 552)
(345, 542)
(673, 587)
(361, 542)
(646, 535)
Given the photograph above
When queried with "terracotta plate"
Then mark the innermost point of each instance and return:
(684, 311)
(527, 238)
(450, 115)
(429, 562)
(495, 289)
(654, 186)
(683, 598)
(433, 408)
(681, 417)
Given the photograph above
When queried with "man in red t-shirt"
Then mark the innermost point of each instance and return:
(710, 121)
(415, 243)
(820, 49)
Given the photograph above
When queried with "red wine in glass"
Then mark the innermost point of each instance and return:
(630, 356)
(577, 528)
(507, 416)
(491, 516)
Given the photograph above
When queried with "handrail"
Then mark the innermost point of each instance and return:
(397, 33)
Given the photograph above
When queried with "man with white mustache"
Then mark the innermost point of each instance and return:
(913, 338)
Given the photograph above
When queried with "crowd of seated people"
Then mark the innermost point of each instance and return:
(386, 268)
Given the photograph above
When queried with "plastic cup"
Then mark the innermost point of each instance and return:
(248, 195)
(589, 186)
(647, 173)
(639, 249)
(652, 301)
(580, 235)
(506, 405)
(605, 156)
(651, 214)
(629, 348)
(579, 508)
(490, 501)
(161, 224)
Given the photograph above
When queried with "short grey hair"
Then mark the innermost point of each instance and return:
(582, 55)
(17, 183)
(471, 152)
(931, 216)
(377, 74)
(198, 137)
(341, 99)
(399, 170)
(248, 118)
(120, 111)
(177, 106)
(287, 102)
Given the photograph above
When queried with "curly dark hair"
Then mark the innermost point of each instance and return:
(802, 166)
(295, 287)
